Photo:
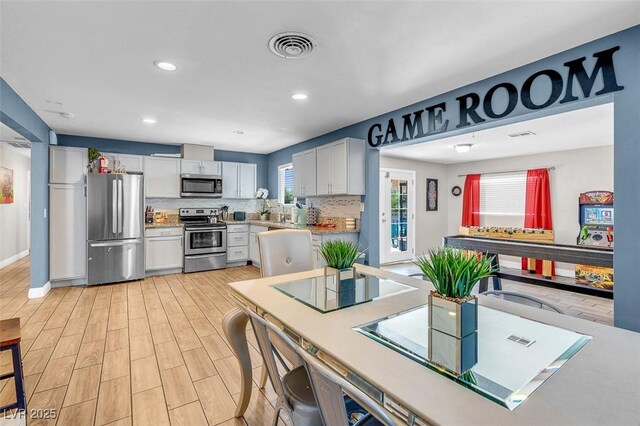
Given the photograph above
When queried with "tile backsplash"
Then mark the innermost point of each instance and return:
(337, 206)
(177, 203)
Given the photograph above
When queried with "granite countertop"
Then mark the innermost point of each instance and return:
(163, 225)
(286, 225)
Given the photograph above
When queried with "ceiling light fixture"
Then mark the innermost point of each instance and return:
(149, 120)
(238, 132)
(165, 66)
(67, 115)
(462, 148)
(299, 96)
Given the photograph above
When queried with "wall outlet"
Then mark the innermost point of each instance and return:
(45, 213)
(361, 207)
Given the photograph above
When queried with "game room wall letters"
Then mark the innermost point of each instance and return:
(414, 126)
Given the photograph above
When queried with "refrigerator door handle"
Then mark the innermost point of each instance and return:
(120, 206)
(114, 206)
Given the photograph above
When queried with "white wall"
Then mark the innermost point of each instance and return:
(430, 226)
(14, 231)
(577, 171)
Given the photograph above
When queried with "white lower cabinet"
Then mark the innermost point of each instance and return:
(237, 244)
(163, 249)
(254, 249)
(67, 233)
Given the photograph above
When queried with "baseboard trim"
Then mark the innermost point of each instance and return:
(8, 261)
(36, 292)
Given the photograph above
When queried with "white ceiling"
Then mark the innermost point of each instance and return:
(95, 57)
(584, 128)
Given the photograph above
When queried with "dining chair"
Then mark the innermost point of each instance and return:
(523, 299)
(293, 389)
(330, 389)
(285, 251)
(281, 252)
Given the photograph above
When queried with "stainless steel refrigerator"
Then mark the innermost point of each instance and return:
(115, 228)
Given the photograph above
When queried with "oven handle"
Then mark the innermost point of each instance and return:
(200, 256)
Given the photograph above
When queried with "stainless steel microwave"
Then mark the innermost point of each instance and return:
(200, 186)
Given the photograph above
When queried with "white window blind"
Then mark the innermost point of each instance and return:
(502, 199)
(285, 184)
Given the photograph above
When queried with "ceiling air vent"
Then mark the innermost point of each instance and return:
(291, 45)
(525, 133)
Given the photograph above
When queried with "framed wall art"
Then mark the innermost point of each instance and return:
(432, 195)
(6, 186)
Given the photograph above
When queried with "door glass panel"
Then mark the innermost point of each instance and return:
(399, 215)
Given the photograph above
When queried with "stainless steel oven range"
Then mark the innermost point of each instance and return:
(205, 240)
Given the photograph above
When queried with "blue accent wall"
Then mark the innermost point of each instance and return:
(144, 148)
(626, 149)
(16, 114)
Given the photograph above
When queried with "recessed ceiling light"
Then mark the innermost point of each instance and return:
(149, 120)
(165, 66)
(462, 148)
(299, 96)
(67, 115)
(238, 132)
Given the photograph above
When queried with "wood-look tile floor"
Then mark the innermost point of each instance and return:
(591, 308)
(148, 352)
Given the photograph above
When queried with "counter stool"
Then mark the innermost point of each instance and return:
(10, 340)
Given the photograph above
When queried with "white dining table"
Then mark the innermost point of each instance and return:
(599, 385)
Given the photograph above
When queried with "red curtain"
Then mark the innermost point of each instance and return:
(471, 201)
(537, 210)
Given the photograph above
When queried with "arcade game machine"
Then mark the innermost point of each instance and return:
(595, 209)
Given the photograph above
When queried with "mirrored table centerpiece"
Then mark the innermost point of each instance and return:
(337, 289)
(515, 355)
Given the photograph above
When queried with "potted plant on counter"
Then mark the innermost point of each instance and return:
(453, 310)
(340, 256)
(262, 194)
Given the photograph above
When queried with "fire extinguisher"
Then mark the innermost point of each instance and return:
(103, 164)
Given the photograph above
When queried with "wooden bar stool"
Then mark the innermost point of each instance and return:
(10, 340)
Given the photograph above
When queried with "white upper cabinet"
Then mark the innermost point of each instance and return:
(247, 185)
(213, 168)
(304, 173)
(196, 167)
(190, 167)
(131, 163)
(340, 167)
(238, 180)
(162, 177)
(67, 164)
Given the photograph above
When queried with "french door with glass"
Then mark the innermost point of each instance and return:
(397, 215)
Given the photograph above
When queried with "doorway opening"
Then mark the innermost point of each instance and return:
(397, 220)
(15, 196)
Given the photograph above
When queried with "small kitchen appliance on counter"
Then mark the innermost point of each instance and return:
(239, 216)
(205, 240)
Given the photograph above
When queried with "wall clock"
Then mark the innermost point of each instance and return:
(456, 190)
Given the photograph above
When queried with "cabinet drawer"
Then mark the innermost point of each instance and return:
(164, 232)
(237, 228)
(237, 239)
(237, 253)
(257, 228)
